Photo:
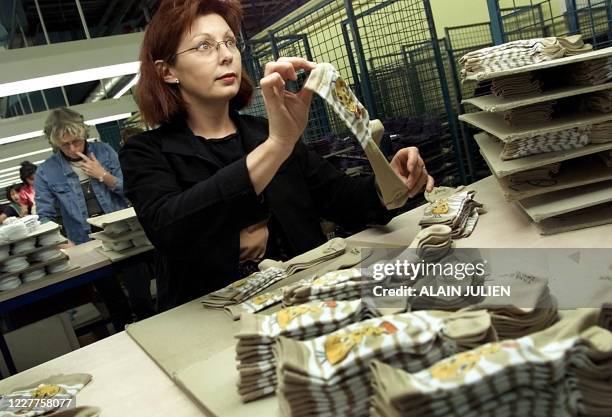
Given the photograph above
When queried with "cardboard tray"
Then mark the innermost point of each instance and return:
(577, 220)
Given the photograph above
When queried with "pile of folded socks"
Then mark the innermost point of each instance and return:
(561, 371)
(601, 133)
(272, 272)
(592, 72)
(516, 85)
(543, 173)
(600, 102)
(344, 284)
(574, 138)
(329, 375)
(458, 210)
(516, 54)
(432, 243)
(530, 308)
(254, 350)
(541, 112)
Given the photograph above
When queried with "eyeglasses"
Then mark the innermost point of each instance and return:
(67, 145)
(209, 49)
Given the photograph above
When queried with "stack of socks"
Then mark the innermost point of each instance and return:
(574, 138)
(516, 54)
(272, 272)
(432, 243)
(529, 309)
(345, 284)
(329, 376)
(600, 102)
(592, 72)
(601, 133)
(516, 85)
(544, 173)
(459, 211)
(268, 299)
(256, 363)
(548, 374)
(536, 113)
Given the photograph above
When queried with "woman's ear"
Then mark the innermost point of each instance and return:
(164, 71)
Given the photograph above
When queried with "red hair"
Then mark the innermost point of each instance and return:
(159, 101)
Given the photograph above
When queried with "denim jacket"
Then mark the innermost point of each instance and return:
(57, 183)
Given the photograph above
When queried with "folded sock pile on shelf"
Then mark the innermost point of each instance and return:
(544, 173)
(601, 133)
(516, 85)
(600, 102)
(536, 113)
(592, 72)
(329, 375)
(549, 142)
(459, 211)
(254, 350)
(273, 272)
(483, 62)
(563, 370)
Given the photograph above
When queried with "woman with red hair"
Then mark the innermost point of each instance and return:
(216, 191)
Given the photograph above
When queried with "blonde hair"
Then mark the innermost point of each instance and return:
(64, 120)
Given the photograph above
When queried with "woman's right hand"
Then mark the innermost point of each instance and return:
(287, 111)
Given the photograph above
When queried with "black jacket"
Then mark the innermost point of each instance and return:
(193, 209)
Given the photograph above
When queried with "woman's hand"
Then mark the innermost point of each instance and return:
(410, 167)
(287, 111)
(91, 166)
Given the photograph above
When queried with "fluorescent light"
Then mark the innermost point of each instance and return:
(68, 78)
(129, 85)
(25, 155)
(108, 119)
(23, 136)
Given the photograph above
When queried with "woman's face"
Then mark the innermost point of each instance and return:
(213, 71)
(30, 179)
(14, 196)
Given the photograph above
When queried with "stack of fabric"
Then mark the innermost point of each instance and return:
(601, 133)
(592, 72)
(432, 243)
(516, 85)
(605, 319)
(254, 350)
(520, 53)
(459, 211)
(530, 307)
(272, 272)
(543, 173)
(562, 371)
(575, 138)
(600, 102)
(329, 375)
(345, 284)
(541, 112)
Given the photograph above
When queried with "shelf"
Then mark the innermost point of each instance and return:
(576, 220)
(114, 217)
(574, 173)
(117, 256)
(490, 148)
(491, 103)
(566, 201)
(600, 53)
(104, 237)
(494, 124)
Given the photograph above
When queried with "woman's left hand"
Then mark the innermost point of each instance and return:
(410, 167)
(92, 166)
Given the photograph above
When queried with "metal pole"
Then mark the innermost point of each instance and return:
(82, 16)
(452, 121)
(273, 45)
(366, 86)
(497, 25)
(21, 104)
(30, 102)
(42, 93)
(351, 58)
(572, 17)
(44, 28)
